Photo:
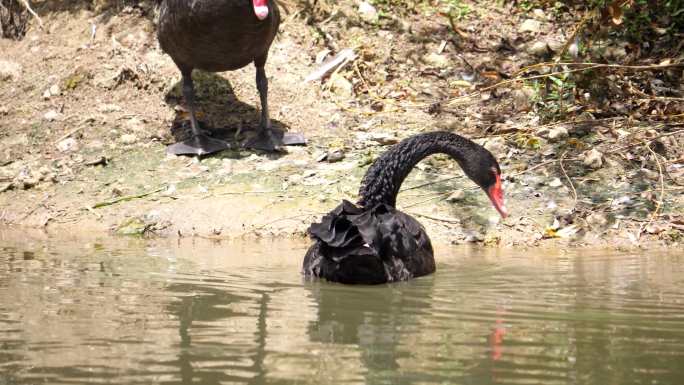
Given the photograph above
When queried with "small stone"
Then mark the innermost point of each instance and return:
(456, 196)
(384, 139)
(593, 158)
(335, 156)
(46, 94)
(51, 115)
(555, 182)
(436, 60)
(67, 145)
(530, 25)
(54, 90)
(9, 70)
(597, 220)
(521, 102)
(132, 226)
(128, 138)
(4, 111)
(341, 86)
(108, 108)
(497, 146)
(474, 237)
(558, 133)
(368, 12)
(538, 48)
(539, 14)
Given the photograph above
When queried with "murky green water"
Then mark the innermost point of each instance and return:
(130, 311)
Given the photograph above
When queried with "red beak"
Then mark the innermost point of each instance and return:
(495, 194)
(260, 9)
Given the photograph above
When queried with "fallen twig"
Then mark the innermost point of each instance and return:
(591, 65)
(33, 13)
(585, 67)
(68, 134)
(647, 141)
(125, 198)
(572, 186)
(659, 202)
(445, 220)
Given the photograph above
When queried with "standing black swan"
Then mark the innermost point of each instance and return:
(374, 242)
(220, 35)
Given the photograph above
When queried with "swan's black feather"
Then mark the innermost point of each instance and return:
(381, 244)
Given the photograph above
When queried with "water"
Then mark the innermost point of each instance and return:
(202, 312)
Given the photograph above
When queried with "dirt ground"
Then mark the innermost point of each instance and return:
(89, 103)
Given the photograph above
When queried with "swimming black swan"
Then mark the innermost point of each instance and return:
(220, 35)
(372, 242)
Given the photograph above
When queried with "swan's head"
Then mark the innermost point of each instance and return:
(483, 169)
(260, 8)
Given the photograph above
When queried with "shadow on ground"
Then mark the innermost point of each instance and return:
(219, 111)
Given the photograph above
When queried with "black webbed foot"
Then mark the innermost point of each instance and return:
(197, 145)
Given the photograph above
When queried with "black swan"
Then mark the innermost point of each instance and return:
(373, 242)
(220, 35)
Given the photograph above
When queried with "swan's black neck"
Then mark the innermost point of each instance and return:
(384, 177)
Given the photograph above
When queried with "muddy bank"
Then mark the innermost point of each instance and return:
(87, 111)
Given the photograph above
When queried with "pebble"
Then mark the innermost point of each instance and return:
(530, 25)
(456, 196)
(539, 14)
(368, 12)
(436, 60)
(384, 139)
(597, 220)
(9, 70)
(341, 86)
(54, 90)
(68, 144)
(128, 138)
(555, 182)
(521, 102)
(497, 146)
(593, 158)
(51, 115)
(558, 133)
(335, 156)
(538, 48)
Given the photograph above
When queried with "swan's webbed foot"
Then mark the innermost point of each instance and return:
(266, 139)
(197, 145)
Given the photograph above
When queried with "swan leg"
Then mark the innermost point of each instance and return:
(199, 144)
(267, 138)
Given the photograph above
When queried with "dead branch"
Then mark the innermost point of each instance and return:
(572, 186)
(26, 5)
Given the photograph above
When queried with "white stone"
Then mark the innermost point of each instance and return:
(9, 70)
(555, 182)
(51, 115)
(68, 144)
(54, 90)
(530, 25)
(368, 12)
(593, 158)
(436, 60)
(128, 138)
(558, 133)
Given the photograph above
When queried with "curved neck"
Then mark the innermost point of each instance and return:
(384, 177)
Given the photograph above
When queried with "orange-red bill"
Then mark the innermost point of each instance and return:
(495, 194)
